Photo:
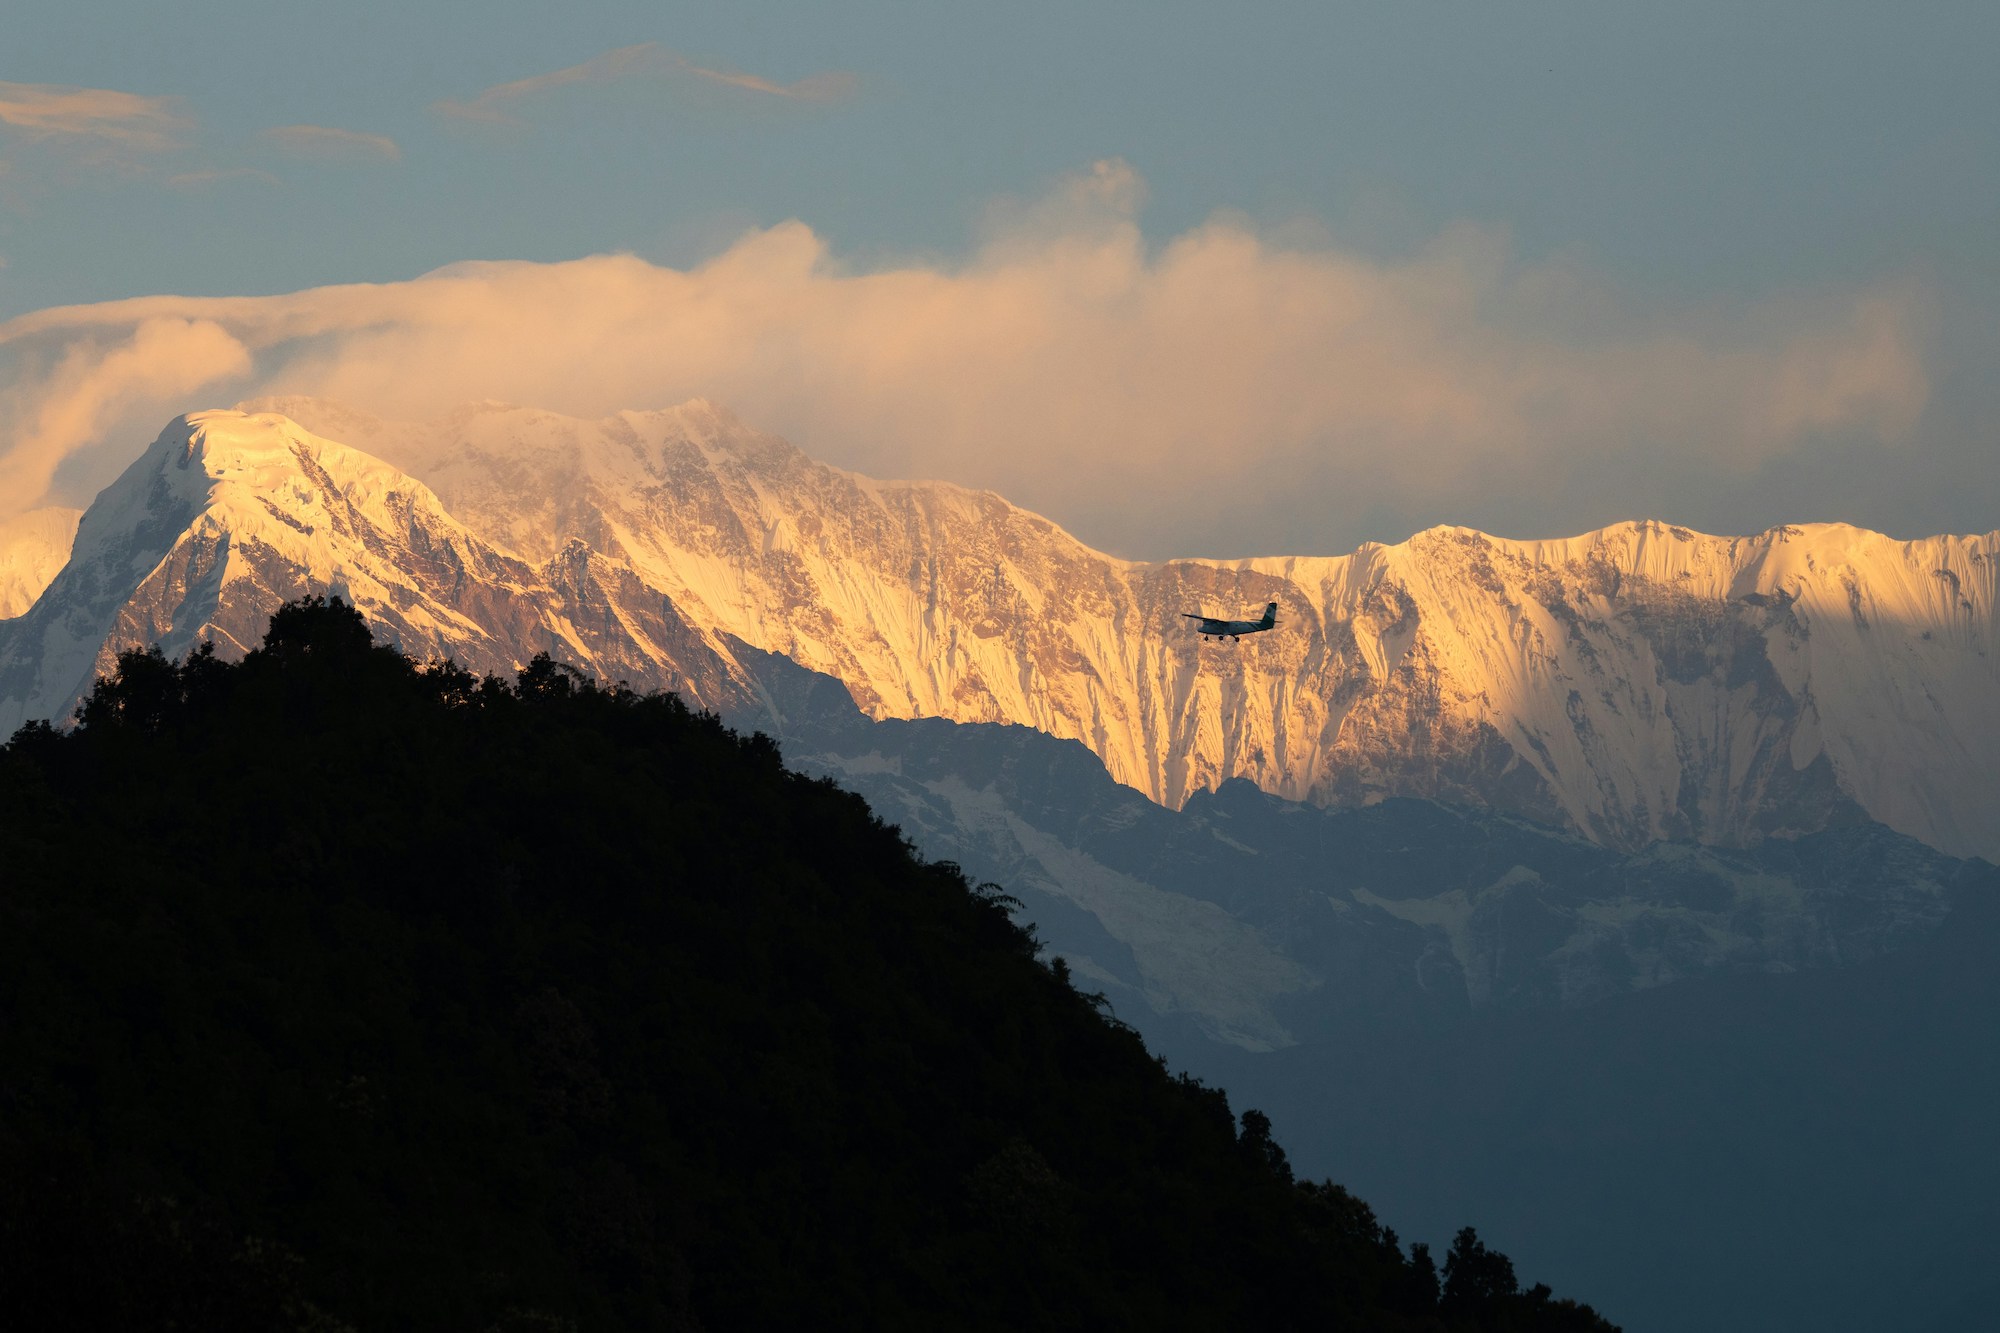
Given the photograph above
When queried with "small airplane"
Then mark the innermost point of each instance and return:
(1230, 629)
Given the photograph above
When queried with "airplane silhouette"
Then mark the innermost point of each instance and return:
(1230, 629)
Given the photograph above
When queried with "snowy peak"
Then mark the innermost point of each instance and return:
(228, 514)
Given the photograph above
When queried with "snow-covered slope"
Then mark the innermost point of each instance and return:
(33, 546)
(1635, 683)
(229, 514)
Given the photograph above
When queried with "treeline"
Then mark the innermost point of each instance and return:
(342, 991)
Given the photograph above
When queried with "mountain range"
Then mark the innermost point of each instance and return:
(1639, 683)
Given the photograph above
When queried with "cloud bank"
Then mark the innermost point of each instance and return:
(1224, 393)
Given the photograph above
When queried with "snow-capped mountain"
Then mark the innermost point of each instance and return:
(1640, 682)
(1632, 684)
(227, 515)
(33, 547)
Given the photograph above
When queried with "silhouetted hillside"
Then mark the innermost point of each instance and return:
(344, 992)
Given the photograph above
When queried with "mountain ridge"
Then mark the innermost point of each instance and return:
(1637, 683)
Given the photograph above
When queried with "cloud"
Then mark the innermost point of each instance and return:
(323, 140)
(68, 406)
(646, 60)
(98, 116)
(190, 180)
(1223, 393)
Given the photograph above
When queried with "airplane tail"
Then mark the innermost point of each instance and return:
(1270, 615)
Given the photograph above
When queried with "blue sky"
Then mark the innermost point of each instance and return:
(1810, 192)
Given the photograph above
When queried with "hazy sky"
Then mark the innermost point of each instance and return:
(1190, 279)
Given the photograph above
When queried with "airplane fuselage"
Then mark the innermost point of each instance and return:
(1210, 627)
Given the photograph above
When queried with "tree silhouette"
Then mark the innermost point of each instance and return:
(1477, 1281)
(340, 990)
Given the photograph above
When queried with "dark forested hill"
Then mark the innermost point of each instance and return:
(339, 992)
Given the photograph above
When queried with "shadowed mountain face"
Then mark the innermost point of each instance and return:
(1266, 923)
(1640, 683)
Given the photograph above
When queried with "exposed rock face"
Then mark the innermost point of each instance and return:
(229, 515)
(1633, 684)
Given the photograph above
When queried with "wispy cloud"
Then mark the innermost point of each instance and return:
(82, 392)
(646, 60)
(194, 180)
(1222, 389)
(326, 141)
(100, 116)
